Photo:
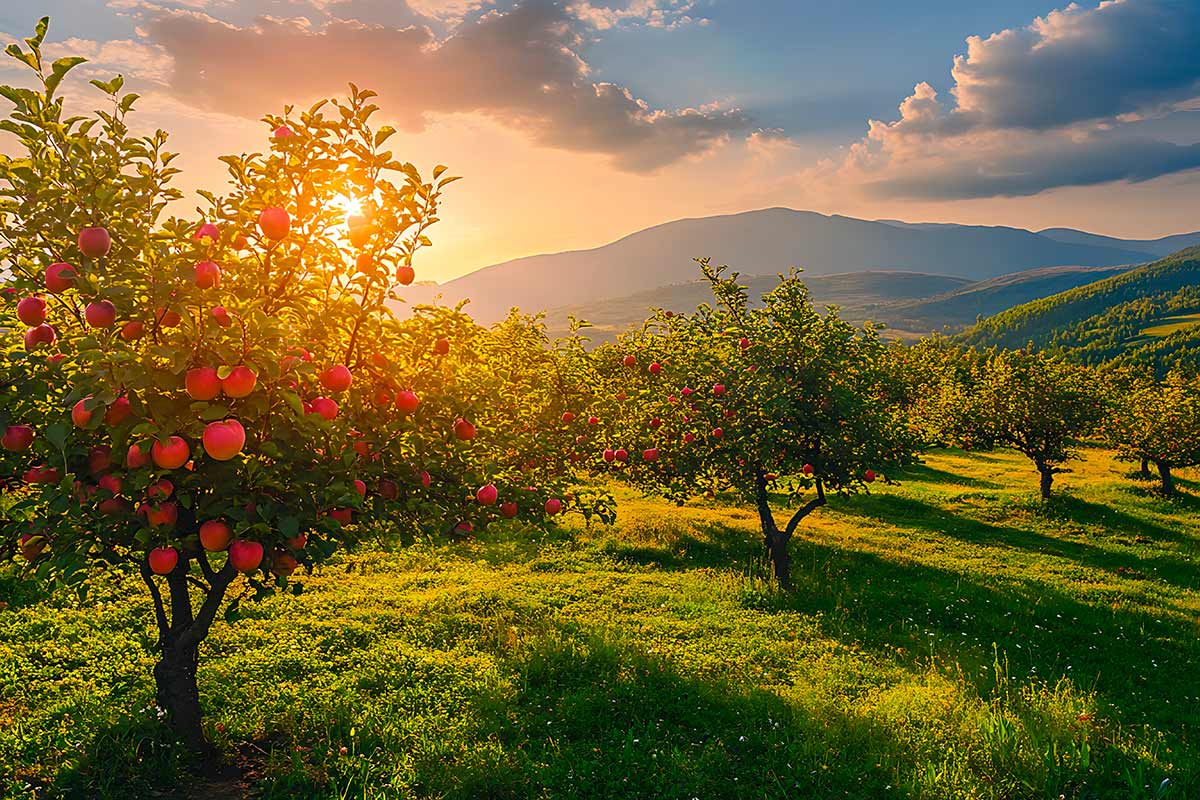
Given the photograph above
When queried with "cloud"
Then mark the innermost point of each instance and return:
(521, 68)
(1056, 103)
(652, 13)
(132, 58)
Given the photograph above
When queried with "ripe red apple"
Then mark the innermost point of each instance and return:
(275, 223)
(508, 509)
(283, 132)
(718, 389)
(99, 459)
(650, 455)
(360, 487)
(441, 347)
(132, 330)
(283, 564)
(118, 412)
(161, 489)
(112, 483)
(324, 406)
(655, 423)
(17, 438)
(41, 334)
(362, 448)
(337, 378)
(208, 275)
(464, 527)
(298, 541)
(215, 535)
(135, 457)
(239, 382)
(202, 383)
(689, 437)
(163, 560)
(629, 361)
(807, 469)
(405, 275)
(593, 420)
(487, 495)
(869, 476)
(609, 454)
(167, 318)
(621, 454)
(161, 515)
(568, 417)
(718, 433)
(407, 401)
(94, 242)
(209, 231)
(463, 429)
(224, 439)
(655, 368)
(221, 315)
(744, 343)
(172, 454)
(32, 310)
(80, 415)
(245, 556)
(60, 277)
(100, 314)
(553, 506)
(389, 489)
(113, 506)
(383, 397)
(342, 515)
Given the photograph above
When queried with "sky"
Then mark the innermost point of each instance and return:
(577, 122)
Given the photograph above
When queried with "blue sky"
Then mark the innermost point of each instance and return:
(578, 121)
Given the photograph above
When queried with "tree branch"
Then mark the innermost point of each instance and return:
(806, 509)
(208, 610)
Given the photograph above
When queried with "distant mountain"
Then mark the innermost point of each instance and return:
(767, 242)
(1158, 247)
(1148, 315)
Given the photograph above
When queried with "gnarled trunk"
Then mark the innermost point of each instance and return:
(1166, 482)
(1047, 481)
(777, 540)
(179, 695)
(1146, 469)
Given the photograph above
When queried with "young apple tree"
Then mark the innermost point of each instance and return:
(1158, 423)
(776, 399)
(215, 404)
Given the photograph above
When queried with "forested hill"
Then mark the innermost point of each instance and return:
(1149, 315)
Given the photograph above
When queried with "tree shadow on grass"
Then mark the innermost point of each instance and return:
(928, 474)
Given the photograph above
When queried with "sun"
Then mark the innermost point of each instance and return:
(353, 206)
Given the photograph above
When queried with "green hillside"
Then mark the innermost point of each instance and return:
(1147, 315)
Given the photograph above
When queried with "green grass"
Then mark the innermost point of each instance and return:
(949, 637)
(1169, 325)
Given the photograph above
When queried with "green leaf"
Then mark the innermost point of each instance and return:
(289, 527)
(59, 70)
(56, 434)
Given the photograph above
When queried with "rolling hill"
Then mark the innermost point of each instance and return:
(1148, 315)
(767, 242)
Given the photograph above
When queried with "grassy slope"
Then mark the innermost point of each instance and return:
(656, 660)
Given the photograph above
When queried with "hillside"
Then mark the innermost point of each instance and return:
(765, 242)
(1158, 247)
(1144, 315)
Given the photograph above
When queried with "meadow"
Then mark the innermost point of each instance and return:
(949, 636)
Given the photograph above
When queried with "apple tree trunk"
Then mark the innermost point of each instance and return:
(1166, 482)
(777, 540)
(1146, 468)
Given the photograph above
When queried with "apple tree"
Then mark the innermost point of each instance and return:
(777, 400)
(1158, 423)
(219, 403)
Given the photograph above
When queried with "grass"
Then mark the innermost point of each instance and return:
(1169, 325)
(950, 637)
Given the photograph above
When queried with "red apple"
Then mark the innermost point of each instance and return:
(17, 438)
(407, 401)
(224, 439)
(60, 277)
(441, 347)
(99, 459)
(360, 487)
(163, 560)
(221, 315)
(629, 361)
(655, 423)
(426, 481)
(112, 483)
(113, 506)
(650, 455)
(32, 310)
(80, 415)
(283, 132)
(202, 383)
(463, 429)
(487, 495)
(41, 334)
(94, 242)
(718, 433)
(342, 515)
(364, 261)
(869, 476)
(161, 489)
(609, 455)
(405, 274)
(283, 564)
(215, 535)
(389, 489)
(208, 231)
(245, 556)
(718, 389)
(807, 469)
(508, 509)
(593, 420)
(118, 412)
(621, 454)
(655, 368)
(383, 396)
(275, 223)
(744, 343)
(298, 541)
(337, 378)
(161, 515)
(167, 318)
(132, 330)
(568, 417)
(324, 406)
(135, 457)
(553, 506)
(239, 382)
(689, 437)
(208, 275)
(172, 454)
(100, 314)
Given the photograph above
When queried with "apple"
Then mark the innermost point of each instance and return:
(202, 383)
(553, 506)
(112, 483)
(113, 506)
(655, 368)
(60, 277)
(426, 481)
(620, 397)
(239, 382)
(463, 429)
(100, 314)
(807, 469)
(208, 275)
(32, 545)
(441, 347)
(405, 275)
(283, 132)
(167, 318)
(32, 310)
(161, 514)
(389, 489)
(136, 458)
(80, 414)
(209, 231)
(364, 261)
(689, 437)
(718, 433)
(298, 541)
(41, 334)
(163, 560)
(118, 412)
(337, 378)
(324, 406)
(283, 564)
(629, 361)
(360, 487)
(215, 535)
(869, 476)
(240, 242)
(593, 420)
(160, 489)
(362, 448)
(650, 455)
(744, 343)
(464, 527)
(487, 495)
(17, 438)
(99, 459)
(383, 396)
(342, 515)
(245, 556)
(94, 242)
(224, 439)
(407, 401)
(568, 417)
(621, 454)
(131, 331)
(609, 455)
(718, 390)
(275, 223)
(221, 315)
(172, 454)
(655, 423)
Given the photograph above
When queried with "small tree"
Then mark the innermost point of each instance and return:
(1159, 423)
(1035, 403)
(216, 405)
(776, 399)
